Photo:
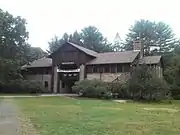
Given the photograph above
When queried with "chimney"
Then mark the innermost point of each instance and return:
(138, 46)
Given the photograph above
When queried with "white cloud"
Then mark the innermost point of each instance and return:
(47, 18)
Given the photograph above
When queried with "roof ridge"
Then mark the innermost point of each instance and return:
(154, 56)
(85, 50)
(81, 46)
(117, 52)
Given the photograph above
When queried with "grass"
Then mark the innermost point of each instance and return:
(1, 99)
(17, 94)
(66, 116)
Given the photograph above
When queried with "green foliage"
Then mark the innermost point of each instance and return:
(172, 73)
(33, 53)
(145, 85)
(152, 34)
(89, 37)
(120, 89)
(13, 35)
(93, 39)
(14, 51)
(13, 40)
(21, 86)
(56, 42)
(92, 89)
(9, 70)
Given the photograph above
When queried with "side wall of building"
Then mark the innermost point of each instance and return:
(44, 79)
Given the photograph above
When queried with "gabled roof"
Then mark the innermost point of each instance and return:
(150, 60)
(43, 62)
(114, 57)
(85, 50)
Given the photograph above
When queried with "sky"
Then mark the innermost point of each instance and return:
(47, 18)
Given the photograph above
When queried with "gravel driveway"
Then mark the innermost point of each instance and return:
(10, 123)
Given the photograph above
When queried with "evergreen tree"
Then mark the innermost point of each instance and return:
(152, 34)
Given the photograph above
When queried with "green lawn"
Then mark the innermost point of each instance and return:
(66, 116)
(17, 94)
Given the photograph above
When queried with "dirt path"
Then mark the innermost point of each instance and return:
(10, 123)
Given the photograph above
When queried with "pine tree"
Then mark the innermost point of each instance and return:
(117, 45)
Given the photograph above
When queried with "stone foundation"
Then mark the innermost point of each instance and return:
(109, 77)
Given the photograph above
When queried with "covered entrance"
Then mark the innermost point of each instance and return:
(68, 74)
(68, 66)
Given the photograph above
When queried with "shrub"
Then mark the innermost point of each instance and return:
(92, 89)
(124, 91)
(21, 86)
(120, 89)
(175, 91)
(145, 85)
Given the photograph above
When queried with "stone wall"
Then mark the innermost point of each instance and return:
(109, 77)
(42, 79)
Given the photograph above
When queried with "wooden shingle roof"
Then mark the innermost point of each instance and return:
(114, 57)
(150, 60)
(85, 50)
(43, 62)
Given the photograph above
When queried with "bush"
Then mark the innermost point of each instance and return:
(21, 86)
(175, 91)
(145, 85)
(92, 89)
(120, 89)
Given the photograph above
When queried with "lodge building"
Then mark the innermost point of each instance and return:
(71, 63)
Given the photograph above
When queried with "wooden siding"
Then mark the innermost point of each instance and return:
(69, 53)
(108, 68)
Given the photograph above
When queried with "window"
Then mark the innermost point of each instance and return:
(113, 68)
(89, 69)
(95, 69)
(63, 85)
(46, 84)
(106, 68)
(74, 74)
(119, 68)
(101, 69)
(46, 71)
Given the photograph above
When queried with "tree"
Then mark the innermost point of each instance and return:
(93, 39)
(33, 53)
(76, 38)
(172, 71)
(152, 34)
(89, 37)
(117, 45)
(56, 42)
(9, 70)
(145, 85)
(14, 49)
(13, 35)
